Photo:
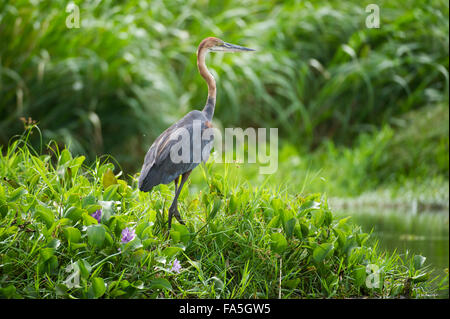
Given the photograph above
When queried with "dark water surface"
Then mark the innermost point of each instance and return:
(424, 233)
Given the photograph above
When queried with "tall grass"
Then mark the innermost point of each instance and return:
(319, 74)
(403, 162)
(239, 241)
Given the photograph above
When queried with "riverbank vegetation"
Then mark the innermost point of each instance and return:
(62, 235)
(362, 115)
(320, 76)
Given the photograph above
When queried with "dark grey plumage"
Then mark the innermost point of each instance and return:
(158, 167)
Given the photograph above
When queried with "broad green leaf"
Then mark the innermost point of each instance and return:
(275, 221)
(110, 191)
(77, 245)
(171, 251)
(277, 205)
(291, 284)
(117, 293)
(298, 231)
(74, 213)
(123, 186)
(73, 200)
(65, 157)
(342, 224)
(151, 215)
(175, 235)
(134, 244)
(322, 251)
(233, 203)
(160, 283)
(279, 243)
(72, 234)
(359, 274)
(138, 284)
(98, 286)
(90, 209)
(109, 179)
(144, 230)
(340, 237)
(109, 240)
(124, 284)
(328, 218)
(184, 232)
(96, 235)
(46, 215)
(54, 243)
(61, 290)
(46, 253)
(319, 218)
(309, 206)
(85, 268)
(47, 261)
(76, 164)
(89, 200)
(88, 220)
(49, 266)
(116, 224)
(289, 226)
(149, 242)
(8, 292)
(305, 229)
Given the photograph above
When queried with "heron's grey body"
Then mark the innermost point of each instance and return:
(158, 167)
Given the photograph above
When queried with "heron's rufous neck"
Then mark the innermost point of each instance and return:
(211, 102)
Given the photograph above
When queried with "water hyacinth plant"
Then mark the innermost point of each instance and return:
(249, 242)
(128, 234)
(97, 215)
(176, 266)
(358, 110)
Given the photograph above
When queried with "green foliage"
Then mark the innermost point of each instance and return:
(319, 72)
(47, 236)
(410, 156)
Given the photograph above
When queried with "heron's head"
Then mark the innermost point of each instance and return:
(216, 45)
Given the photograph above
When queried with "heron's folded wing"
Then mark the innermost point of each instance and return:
(181, 136)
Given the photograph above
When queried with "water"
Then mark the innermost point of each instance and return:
(425, 233)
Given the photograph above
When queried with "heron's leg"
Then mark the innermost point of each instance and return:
(173, 210)
(176, 180)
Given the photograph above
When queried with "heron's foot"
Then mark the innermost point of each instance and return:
(178, 217)
(173, 211)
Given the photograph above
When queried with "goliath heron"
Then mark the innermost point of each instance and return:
(158, 167)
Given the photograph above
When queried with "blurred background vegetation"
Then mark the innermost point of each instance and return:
(362, 114)
(357, 109)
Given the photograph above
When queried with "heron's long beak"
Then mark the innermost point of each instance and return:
(228, 47)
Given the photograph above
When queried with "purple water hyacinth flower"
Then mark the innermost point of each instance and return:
(128, 235)
(176, 266)
(97, 215)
